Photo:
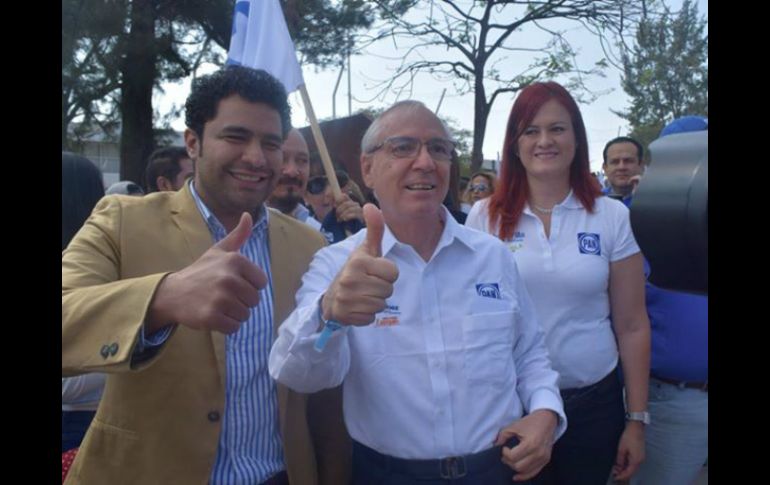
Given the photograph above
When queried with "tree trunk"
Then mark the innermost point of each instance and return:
(480, 113)
(138, 74)
(64, 124)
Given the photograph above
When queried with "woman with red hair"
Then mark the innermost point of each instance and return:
(583, 269)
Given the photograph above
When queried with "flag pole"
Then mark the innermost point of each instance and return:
(320, 143)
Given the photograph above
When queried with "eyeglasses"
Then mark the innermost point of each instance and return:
(439, 149)
(478, 188)
(317, 185)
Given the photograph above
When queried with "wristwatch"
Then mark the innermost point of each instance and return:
(642, 416)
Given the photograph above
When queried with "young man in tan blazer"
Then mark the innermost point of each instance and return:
(175, 295)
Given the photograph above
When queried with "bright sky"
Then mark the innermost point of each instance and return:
(601, 123)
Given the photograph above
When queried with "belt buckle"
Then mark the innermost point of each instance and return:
(452, 467)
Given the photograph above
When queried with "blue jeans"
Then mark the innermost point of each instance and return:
(74, 425)
(677, 437)
(585, 453)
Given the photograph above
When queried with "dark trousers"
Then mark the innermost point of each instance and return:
(372, 468)
(74, 425)
(586, 452)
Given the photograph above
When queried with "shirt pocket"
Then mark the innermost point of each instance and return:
(488, 347)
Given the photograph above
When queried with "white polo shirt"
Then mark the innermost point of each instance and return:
(567, 276)
(456, 356)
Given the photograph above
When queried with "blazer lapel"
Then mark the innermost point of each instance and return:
(196, 234)
(281, 269)
(283, 298)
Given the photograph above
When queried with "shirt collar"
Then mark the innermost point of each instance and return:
(569, 202)
(300, 212)
(452, 230)
(211, 220)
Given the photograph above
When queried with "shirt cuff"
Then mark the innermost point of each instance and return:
(155, 340)
(547, 399)
(310, 331)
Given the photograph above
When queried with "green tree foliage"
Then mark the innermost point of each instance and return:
(116, 53)
(470, 43)
(323, 31)
(666, 72)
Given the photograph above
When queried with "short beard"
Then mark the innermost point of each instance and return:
(285, 204)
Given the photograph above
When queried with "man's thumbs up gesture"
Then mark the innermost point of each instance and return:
(365, 281)
(216, 292)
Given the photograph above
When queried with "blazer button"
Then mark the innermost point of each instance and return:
(213, 416)
(105, 351)
(114, 348)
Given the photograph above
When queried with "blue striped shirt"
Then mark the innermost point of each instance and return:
(249, 449)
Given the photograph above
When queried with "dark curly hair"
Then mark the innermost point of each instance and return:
(254, 85)
(81, 188)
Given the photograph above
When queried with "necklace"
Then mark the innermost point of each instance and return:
(540, 209)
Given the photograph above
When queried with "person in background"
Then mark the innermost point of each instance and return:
(292, 185)
(677, 437)
(167, 169)
(452, 199)
(339, 218)
(465, 207)
(623, 165)
(584, 271)
(82, 187)
(125, 187)
(482, 186)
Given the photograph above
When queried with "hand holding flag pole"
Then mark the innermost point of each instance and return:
(261, 40)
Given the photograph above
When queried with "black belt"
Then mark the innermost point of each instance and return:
(701, 386)
(280, 478)
(444, 468)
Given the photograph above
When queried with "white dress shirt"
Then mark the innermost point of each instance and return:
(456, 356)
(301, 213)
(567, 275)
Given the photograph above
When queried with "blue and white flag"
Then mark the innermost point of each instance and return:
(261, 40)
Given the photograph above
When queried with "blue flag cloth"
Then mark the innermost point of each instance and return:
(261, 40)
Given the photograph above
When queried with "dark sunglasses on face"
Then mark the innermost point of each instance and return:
(407, 147)
(317, 185)
(478, 188)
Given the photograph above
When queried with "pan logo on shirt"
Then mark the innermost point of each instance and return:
(517, 242)
(488, 290)
(388, 317)
(588, 243)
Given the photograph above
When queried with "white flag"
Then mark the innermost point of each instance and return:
(261, 40)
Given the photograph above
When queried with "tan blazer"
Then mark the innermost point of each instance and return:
(159, 420)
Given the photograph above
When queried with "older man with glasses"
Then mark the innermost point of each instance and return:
(427, 325)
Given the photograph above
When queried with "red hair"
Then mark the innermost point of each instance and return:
(512, 191)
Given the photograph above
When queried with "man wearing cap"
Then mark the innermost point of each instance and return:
(428, 326)
(677, 435)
